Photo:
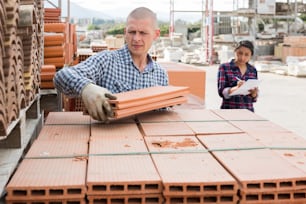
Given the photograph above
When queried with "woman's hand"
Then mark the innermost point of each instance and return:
(253, 92)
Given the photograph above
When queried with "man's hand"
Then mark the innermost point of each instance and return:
(95, 99)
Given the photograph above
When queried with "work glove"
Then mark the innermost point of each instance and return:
(95, 99)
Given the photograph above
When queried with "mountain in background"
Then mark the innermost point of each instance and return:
(77, 11)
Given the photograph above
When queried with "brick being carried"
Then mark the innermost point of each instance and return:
(114, 161)
(48, 179)
(147, 95)
(147, 99)
(125, 112)
(264, 176)
(189, 173)
(67, 118)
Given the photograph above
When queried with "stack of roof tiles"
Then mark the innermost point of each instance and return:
(21, 57)
(179, 156)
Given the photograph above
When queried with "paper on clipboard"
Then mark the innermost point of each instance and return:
(244, 89)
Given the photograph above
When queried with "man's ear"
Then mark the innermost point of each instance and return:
(157, 34)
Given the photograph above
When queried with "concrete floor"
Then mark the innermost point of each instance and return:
(282, 99)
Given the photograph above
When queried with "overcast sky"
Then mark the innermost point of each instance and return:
(121, 8)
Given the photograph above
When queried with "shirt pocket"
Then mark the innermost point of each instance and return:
(121, 86)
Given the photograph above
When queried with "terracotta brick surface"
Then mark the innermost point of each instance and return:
(267, 173)
(259, 127)
(49, 201)
(64, 132)
(216, 127)
(67, 118)
(108, 131)
(42, 179)
(198, 115)
(159, 116)
(124, 175)
(58, 148)
(166, 128)
(190, 174)
(237, 114)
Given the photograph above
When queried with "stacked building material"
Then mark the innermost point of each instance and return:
(21, 57)
(60, 44)
(151, 98)
(53, 170)
(116, 172)
(46, 76)
(162, 157)
(52, 15)
(293, 46)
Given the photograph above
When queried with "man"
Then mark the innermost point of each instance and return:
(107, 72)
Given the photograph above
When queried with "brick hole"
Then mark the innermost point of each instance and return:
(176, 188)
(117, 201)
(151, 186)
(285, 184)
(100, 201)
(228, 187)
(251, 197)
(117, 188)
(38, 192)
(134, 200)
(75, 191)
(226, 199)
(253, 185)
(268, 197)
(99, 188)
(31, 203)
(193, 200)
(54, 202)
(56, 192)
(153, 200)
(72, 202)
(210, 199)
(194, 188)
(210, 188)
(269, 185)
(299, 195)
(301, 183)
(177, 200)
(283, 196)
(134, 187)
(19, 192)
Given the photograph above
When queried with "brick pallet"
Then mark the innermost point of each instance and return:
(129, 161)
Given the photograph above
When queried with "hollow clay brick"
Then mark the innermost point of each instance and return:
(58, 118)
(43, 179)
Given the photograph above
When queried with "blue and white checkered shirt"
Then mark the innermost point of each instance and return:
(113, 70)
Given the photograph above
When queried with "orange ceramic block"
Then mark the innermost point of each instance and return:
(186, 75)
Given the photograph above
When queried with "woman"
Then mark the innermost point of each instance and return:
(233, 74)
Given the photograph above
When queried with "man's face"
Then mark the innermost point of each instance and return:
(139, 35)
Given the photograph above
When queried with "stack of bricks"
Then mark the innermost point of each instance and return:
(293, 46)
(180, 156)
(47, 73)
(60, 44)
(21, 58)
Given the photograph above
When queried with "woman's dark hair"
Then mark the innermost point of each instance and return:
(247, 44)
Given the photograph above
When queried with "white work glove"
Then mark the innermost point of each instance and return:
(95, 99)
